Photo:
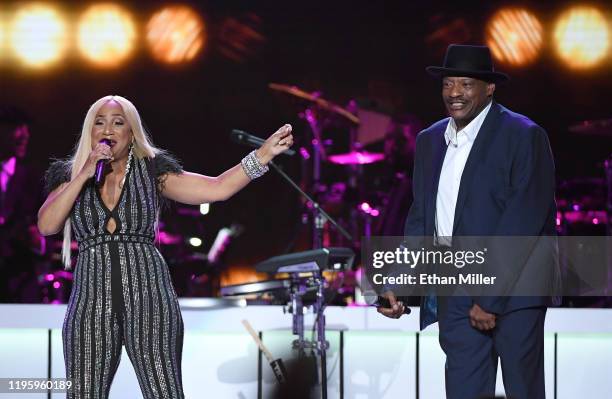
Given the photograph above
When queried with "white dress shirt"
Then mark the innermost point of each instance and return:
(459, 146)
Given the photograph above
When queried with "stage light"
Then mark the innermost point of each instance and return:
(204, 209)
(2, 37)
(195, 242)
(37, 35)
(514, 36)
(582, 37)
(175, 34)
(106, 35)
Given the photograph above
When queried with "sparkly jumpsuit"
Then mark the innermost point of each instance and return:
(122, 293)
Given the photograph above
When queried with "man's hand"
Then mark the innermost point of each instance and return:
(481, 320)
(397, 307)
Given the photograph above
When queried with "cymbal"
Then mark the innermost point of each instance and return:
(312, 97)
(594, 127)
(356, 158)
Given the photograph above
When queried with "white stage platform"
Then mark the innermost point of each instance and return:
(370, 356)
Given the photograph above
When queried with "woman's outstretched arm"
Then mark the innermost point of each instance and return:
(192, 188)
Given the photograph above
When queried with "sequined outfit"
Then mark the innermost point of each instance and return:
(122, 293)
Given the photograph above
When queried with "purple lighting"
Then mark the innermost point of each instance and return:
(310, 117)
(50, 277)
(367, 208)
(56, 285)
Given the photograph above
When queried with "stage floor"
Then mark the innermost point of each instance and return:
(370, 356)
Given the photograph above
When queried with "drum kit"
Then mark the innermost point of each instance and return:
(351, 185)
(347, 165)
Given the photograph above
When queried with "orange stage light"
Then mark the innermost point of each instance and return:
(37, 35)
(175, 34)
(582, 37)
(106, 35)
(514, 36)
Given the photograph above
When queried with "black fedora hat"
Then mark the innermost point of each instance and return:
(467, 60)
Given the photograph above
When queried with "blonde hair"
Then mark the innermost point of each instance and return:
(143, 147)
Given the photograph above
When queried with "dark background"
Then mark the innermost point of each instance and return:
(346, 49)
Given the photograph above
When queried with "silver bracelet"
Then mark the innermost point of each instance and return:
(252, 167)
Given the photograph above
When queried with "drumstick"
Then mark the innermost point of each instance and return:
(277, 365)
(258, 341)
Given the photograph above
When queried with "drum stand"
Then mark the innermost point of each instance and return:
(303, 285)
(318, 347)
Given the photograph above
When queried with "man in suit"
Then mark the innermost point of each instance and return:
(485, 171)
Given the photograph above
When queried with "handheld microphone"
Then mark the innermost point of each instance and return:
(382, 302)
(100, 165)
(242, 137)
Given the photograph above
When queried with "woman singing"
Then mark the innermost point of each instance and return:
(122, 293)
